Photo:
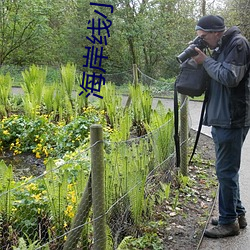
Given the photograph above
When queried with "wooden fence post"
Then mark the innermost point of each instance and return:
(135, 74)
(98, 194)
(184, 135)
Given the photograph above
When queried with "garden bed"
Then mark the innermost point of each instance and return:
(186, 224)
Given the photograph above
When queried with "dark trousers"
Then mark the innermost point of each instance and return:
(228, 145)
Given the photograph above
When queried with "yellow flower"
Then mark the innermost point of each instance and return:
(37, 197)
(6, 132)
(45, 151)
(31, 187)
(69, 211)
(14, 209)
(38, 155)
(16, 152)
(73, 199)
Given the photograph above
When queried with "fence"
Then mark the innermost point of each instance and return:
(64, 208)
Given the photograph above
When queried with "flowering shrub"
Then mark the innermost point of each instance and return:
(43, 137)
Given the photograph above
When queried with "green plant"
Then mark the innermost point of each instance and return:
(176, 199)
(81, 101)
(164, 191)
(147, 241)
(48, 97)
(56, 187)
(33, 86)
(68, 74)
(22, 245)
(161, 128)
(30, 208)
(141, 104)
(126, 172)
(113, 109)
(5, 89)
(6, 184)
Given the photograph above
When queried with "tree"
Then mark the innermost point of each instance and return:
(237, 12)
(21, 21)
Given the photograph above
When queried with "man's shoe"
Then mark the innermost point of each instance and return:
(241, 219)
(221, 231)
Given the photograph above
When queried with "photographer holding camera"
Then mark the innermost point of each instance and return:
(228, 112)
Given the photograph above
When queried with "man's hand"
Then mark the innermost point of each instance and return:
(200, 58)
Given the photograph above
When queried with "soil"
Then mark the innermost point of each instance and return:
(24, 164)
(186, 223)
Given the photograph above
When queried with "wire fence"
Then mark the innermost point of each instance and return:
(55, 210)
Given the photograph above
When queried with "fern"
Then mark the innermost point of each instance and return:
(161, 126)
(5, 90)
(6, 184)
(56, 184)
(68, 74)
(33, 86)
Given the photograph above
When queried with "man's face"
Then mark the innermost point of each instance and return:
(211, 38)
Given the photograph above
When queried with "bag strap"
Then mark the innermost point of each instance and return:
(199, 127)
(176, 126)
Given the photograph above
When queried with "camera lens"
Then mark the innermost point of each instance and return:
(190, 51)
(187, 53)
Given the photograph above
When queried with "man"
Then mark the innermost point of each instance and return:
(228, 112)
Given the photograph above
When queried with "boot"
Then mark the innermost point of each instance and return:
(221, 231)
(241, 219)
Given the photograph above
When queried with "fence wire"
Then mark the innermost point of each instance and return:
(43, 210)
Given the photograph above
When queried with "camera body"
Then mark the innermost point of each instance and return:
(190, 51)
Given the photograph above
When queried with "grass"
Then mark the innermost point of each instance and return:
(53, 73)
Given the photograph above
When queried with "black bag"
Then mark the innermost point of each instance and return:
(192, 80)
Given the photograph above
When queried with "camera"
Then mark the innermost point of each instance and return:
(190, 51)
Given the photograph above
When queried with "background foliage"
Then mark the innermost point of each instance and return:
(147, 33)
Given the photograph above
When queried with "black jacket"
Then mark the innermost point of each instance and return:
(229, 90)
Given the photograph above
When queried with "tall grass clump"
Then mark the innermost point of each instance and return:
(81, 101)
(33, 85)
(141, 106)
(161, 130)
(68, 74)
(112, 108)
(5, 89)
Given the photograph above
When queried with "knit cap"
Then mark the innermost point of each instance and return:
(210, 23)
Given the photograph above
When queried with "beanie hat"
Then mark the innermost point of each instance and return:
(210, 23)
